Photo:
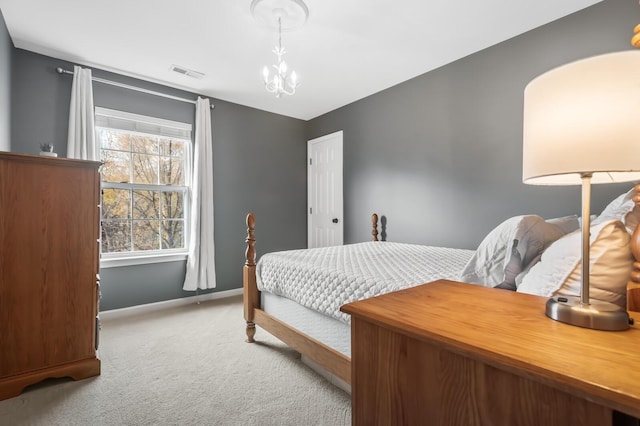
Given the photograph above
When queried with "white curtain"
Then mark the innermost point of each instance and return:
(81, 137)
(201, 272)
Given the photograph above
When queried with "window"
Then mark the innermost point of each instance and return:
(144, 184)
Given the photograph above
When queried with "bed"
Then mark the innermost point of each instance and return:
(283, 293)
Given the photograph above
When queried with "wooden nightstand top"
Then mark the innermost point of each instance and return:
(510, 331)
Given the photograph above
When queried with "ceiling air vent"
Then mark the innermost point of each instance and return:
(186, 71)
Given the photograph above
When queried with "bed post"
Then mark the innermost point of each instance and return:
(251, 296)
(374, 223)
(633, 288)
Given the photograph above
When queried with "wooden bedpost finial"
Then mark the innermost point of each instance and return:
(633, 289)
(374, 223)
(635, 240)
(635, 40)
(250, 253)
(635, 237)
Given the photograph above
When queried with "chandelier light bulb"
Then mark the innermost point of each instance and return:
(265, 73)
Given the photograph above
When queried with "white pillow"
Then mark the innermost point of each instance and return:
(566, 223)
(558, 272)
(591, 219)
(622, 208)
(507, 249)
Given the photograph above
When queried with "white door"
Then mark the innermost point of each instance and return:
(324, 191)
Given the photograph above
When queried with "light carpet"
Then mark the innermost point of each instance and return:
(186, 366)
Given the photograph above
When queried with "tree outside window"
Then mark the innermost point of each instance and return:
(143, 191)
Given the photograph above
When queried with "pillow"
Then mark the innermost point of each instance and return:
(507, 249)
(558, 272)
(566, 223)
(622, 208)
(591, 219)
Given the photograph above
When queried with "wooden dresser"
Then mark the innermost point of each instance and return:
(448, 353)
(49, 230)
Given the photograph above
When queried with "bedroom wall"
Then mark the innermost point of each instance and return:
(259, 165)
(6, 50)
(441, 155)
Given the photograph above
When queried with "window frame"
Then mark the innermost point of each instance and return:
(169, 130)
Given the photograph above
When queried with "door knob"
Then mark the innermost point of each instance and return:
(335, 220)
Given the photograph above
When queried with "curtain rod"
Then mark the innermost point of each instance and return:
(60, 70)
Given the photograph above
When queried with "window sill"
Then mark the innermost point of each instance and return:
(115, 262)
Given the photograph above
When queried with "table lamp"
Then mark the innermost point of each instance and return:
(582, 127)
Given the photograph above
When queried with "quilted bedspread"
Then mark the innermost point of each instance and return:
(323, 279)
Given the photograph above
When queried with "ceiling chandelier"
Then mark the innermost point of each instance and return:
(282, 15)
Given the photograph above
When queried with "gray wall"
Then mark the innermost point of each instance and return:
(441, 155)
(258, 160)
(6, 51)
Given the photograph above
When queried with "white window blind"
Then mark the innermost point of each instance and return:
(129, 122)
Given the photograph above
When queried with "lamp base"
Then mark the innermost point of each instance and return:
(596, 315)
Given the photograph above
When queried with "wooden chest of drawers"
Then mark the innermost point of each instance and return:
(49, 230)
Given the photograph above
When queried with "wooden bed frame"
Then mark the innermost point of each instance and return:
(330, 359)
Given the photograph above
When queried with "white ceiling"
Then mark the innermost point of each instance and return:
(347, 50)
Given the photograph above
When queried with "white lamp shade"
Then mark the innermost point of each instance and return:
(584, 118)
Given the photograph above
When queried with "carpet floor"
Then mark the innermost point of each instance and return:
(186, 366)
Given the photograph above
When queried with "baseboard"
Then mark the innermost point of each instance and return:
(151, 307)
(332, 378)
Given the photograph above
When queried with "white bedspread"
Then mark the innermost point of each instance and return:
(323, 279)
